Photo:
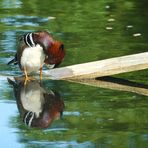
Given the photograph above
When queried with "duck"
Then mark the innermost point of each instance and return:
(37, 105)
(36, 49)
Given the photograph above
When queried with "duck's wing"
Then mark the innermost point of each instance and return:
(21, 46)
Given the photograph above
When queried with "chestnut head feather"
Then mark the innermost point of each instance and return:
(55, 53)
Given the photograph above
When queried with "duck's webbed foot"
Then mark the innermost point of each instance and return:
(27, 78)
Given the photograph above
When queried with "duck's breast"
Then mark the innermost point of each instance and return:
(32, 58)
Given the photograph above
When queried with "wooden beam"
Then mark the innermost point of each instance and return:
(101, 68)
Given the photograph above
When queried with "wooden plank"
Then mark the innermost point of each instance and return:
(125, 85)
(101, 68)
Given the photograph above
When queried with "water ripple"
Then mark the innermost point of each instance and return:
(23, 20)
(7, 4)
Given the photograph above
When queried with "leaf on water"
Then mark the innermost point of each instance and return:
(129, 26)
(109, 28)
(107, 6)
(137, 34)
(111, 20)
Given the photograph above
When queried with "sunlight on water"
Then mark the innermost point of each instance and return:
(22, 20)
(8, 111)
(10, 4)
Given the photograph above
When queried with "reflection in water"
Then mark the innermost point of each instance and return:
(108, 117)
(37, 107)
(23, 20)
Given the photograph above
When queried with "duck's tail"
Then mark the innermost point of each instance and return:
(13, 61)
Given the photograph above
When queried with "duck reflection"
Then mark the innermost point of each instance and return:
(37, 107)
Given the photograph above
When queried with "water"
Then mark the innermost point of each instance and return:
(90, 30)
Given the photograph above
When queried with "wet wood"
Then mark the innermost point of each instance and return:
(101, 68)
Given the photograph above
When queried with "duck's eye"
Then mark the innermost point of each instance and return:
(62, 47)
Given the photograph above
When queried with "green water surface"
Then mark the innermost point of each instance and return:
(91, 30)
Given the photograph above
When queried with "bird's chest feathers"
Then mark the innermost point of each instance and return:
(32, 58)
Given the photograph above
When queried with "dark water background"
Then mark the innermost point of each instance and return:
(90, 30)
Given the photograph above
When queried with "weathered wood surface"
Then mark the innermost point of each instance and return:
(101, 68)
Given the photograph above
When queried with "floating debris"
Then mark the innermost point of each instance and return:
(137, 34)
(107, 6)
(129, 26)
(111, 20)
(51, 17)
(110, 119)
(109, 28)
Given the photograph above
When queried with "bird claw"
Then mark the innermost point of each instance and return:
(27, 79)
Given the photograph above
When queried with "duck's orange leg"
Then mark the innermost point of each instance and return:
(26, 76)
